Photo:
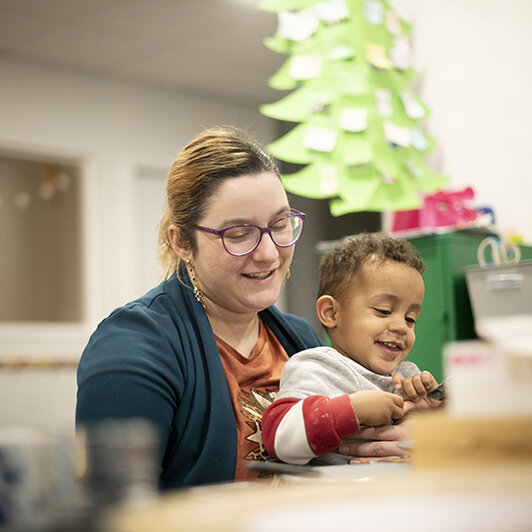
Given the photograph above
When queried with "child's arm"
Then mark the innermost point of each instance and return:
(313, 412)
(298, 430)
(295, 431)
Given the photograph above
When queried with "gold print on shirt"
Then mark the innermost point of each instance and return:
(253, 404)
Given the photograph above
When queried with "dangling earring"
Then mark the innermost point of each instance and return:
(288, 274)
(198, 294)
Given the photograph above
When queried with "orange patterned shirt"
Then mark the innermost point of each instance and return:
(253, 383)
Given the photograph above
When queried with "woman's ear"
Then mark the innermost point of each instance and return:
(327, 309)
(181, 247)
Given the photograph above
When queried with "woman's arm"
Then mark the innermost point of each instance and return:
(127, 371)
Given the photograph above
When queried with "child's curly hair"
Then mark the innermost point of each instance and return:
(342, 262)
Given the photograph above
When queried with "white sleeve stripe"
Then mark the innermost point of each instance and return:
(291, 437)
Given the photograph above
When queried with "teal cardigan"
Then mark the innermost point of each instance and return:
(156, 358)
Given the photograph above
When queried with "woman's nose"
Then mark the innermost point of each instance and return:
(266, 250)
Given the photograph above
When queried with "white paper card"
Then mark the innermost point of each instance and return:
(340, 52)
(401, 54)
(397, 134)
(373, 11)
(305, 66)
(418, 139)
(413, 108)
(329, 181)
(354, 119)
(297, 26)
(320, 138)
(333, 11)
(383, 98)
(392, 22)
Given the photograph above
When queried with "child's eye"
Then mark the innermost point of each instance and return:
(382, 311)
(411, 321)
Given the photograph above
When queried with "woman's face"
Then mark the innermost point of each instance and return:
(253, 282)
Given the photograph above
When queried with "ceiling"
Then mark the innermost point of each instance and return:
(209, 48)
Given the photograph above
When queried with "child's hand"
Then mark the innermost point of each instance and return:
(414, 387)
(415, 390)
(375, 407)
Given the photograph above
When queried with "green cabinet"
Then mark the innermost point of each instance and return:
(446, 314)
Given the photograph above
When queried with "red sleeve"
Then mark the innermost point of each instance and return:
(321, 421)
(327, 421)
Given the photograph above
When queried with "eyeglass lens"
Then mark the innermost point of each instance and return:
(242, 239)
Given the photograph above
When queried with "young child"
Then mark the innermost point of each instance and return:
(369, 299)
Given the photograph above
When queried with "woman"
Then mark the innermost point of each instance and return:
(201, 354)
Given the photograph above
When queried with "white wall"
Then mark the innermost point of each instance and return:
(116, 129)
(115, 132)
(474, 63)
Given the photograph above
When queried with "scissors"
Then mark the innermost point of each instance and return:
(502, 251)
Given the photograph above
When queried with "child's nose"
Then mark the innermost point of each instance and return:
(398, 324)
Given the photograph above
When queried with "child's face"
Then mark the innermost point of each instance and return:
(375, 317)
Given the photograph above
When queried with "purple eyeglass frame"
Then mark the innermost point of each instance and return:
(221, 232)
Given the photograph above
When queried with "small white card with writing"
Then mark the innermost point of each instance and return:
(354, 119)
(392, 22)
(401, 54)
(333, 11)
(418, 139)
(412, 107)
(297, 26)
(383, 98)
(373, 11)
(329, 181)
(305, 66)
(320, 138)
(397, 134)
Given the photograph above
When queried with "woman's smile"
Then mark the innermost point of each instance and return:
(260, 276)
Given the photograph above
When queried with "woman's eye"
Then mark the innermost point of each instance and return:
(281, 226)
(239, 233)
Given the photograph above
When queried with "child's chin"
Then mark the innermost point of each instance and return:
(385, 368)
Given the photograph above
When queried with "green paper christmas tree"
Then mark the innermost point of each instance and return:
(359, 136)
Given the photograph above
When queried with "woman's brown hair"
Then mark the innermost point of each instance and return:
(200, 168)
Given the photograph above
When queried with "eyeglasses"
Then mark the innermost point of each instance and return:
(240, 240)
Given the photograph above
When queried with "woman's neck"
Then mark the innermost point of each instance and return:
(241, 332)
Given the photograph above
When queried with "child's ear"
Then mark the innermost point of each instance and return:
(181, 247)
(326, 308)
